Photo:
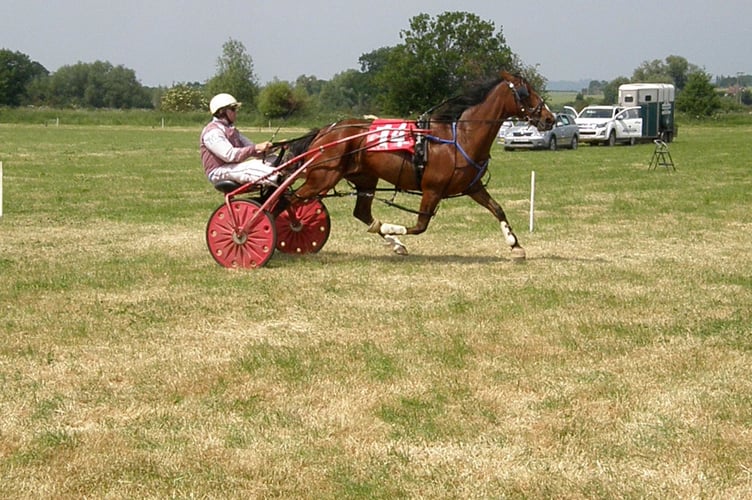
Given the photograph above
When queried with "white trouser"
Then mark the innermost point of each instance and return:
(245, 172)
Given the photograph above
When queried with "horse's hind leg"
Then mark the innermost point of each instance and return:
(483, 198)
(366, 189)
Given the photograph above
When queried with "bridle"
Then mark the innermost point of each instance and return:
(521, 94)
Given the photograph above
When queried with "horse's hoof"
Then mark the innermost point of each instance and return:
(400, 249)
(518, 254)
(397, 246)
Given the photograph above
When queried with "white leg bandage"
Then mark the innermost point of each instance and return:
(392, 229)
(508, 235)
(384, 229)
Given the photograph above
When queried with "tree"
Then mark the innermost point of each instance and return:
(17, 71)
(651, 72)
(96, 85)
(374, 78)
(309, 84)
(439, 57)
(596, 87)
(235, 74)
(278, 99)
(699, 98)
(611, 89)
(348, 91)
(183, 97)
(746, 97)
(678, 69)
(675, 70)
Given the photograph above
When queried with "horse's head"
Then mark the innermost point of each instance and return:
(529, 104)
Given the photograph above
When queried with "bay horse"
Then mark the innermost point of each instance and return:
(457, 136)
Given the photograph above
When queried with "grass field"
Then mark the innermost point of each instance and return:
(613, 363)
(558, 98)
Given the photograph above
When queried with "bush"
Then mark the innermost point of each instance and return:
(182, 97)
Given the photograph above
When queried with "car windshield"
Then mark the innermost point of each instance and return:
(596, 113)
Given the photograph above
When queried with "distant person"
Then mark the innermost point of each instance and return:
(226, 153)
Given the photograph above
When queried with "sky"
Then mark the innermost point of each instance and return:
(174, 41)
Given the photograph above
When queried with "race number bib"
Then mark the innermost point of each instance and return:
(391, 135)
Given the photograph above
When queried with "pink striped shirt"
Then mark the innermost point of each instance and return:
(223, 145)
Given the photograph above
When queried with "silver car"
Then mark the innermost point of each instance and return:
(525, 136)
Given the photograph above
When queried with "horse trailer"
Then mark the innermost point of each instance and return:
(656, 102)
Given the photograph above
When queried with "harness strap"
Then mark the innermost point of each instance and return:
(480, 167)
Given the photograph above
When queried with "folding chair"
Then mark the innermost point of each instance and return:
(661, 156)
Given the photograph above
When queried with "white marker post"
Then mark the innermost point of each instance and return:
(532, 198)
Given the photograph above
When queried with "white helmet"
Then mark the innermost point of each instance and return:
(220, 101)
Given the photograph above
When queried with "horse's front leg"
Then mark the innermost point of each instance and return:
(482, 197)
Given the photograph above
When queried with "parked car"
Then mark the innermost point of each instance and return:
(569, 110)
(505, 125)
(525, 136)
(609, 124)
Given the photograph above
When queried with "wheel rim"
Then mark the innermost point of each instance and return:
(233, 248)
(305, 230)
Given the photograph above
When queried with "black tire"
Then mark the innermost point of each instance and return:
(573, 145)
(611, 139)
(552, 143)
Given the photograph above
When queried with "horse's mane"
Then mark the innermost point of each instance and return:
(295, 146)
(300, 144)
(452, 108)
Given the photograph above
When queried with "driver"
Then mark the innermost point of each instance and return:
(229, 155)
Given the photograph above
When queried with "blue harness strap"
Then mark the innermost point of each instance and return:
(480, 167)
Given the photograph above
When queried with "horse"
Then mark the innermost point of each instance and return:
(456, 138)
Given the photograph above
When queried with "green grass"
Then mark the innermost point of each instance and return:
(613, 363)
(556, 99)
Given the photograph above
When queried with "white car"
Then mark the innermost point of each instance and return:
(609, 125)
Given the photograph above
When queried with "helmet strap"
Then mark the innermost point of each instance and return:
(222, 115)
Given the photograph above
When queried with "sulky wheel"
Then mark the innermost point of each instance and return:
(230, 245)
(303, 228)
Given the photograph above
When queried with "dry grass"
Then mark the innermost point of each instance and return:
(613, 363)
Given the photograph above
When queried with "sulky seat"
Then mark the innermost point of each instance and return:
(226, 186)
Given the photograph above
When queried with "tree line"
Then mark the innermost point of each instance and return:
(438, 58)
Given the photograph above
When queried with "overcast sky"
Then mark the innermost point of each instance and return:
(172, 41)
